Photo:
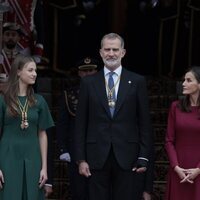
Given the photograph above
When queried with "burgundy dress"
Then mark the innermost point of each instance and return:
(183, 149)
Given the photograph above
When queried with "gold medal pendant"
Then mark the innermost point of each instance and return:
(111, 94)
(22, 125)
(26, 124)
(23, 110)
(111, 103)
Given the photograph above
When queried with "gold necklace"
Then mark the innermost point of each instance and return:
(111, 101)
(23, 110)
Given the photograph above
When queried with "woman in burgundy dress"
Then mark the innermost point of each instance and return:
(183, 141)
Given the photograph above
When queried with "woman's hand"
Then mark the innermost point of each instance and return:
(193, 173)
(43, 178)
(187, 175)
(183, 175)
(1, 180)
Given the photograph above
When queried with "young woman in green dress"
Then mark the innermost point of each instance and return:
(24, 118)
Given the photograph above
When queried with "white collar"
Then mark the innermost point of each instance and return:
(117, 71)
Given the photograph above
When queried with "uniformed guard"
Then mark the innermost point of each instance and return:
(65, 127)
(11, 48)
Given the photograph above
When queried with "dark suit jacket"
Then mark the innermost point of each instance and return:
(128, 131)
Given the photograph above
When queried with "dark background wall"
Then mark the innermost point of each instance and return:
(162, 36)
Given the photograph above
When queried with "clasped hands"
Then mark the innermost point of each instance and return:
(187, 175)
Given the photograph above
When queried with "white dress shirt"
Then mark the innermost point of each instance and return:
(116, 76)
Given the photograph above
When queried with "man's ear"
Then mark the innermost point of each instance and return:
(100, 52)
(123, 52)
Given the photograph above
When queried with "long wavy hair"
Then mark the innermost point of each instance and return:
(11, 90)
(184, 103)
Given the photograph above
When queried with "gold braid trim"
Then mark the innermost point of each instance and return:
(67, 104)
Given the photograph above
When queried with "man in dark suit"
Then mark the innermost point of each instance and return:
(113, 134)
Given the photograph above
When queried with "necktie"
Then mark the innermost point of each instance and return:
(112, 97)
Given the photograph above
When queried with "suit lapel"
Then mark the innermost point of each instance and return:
(124, 86)
(101, 90)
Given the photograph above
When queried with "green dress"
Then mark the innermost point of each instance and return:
(20, 157)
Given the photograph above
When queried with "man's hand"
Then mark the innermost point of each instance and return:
(48, 189)
(140, 166)
(84, 169)
(139, 169)
(146, 196)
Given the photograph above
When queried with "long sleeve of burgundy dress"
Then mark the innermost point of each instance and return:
(183, 148)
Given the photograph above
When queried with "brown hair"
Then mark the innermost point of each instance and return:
(184, 103)
(12, 87)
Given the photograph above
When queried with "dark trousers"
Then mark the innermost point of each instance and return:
(78, 183)
(114, 183)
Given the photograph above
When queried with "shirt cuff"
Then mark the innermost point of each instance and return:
(142, 158)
